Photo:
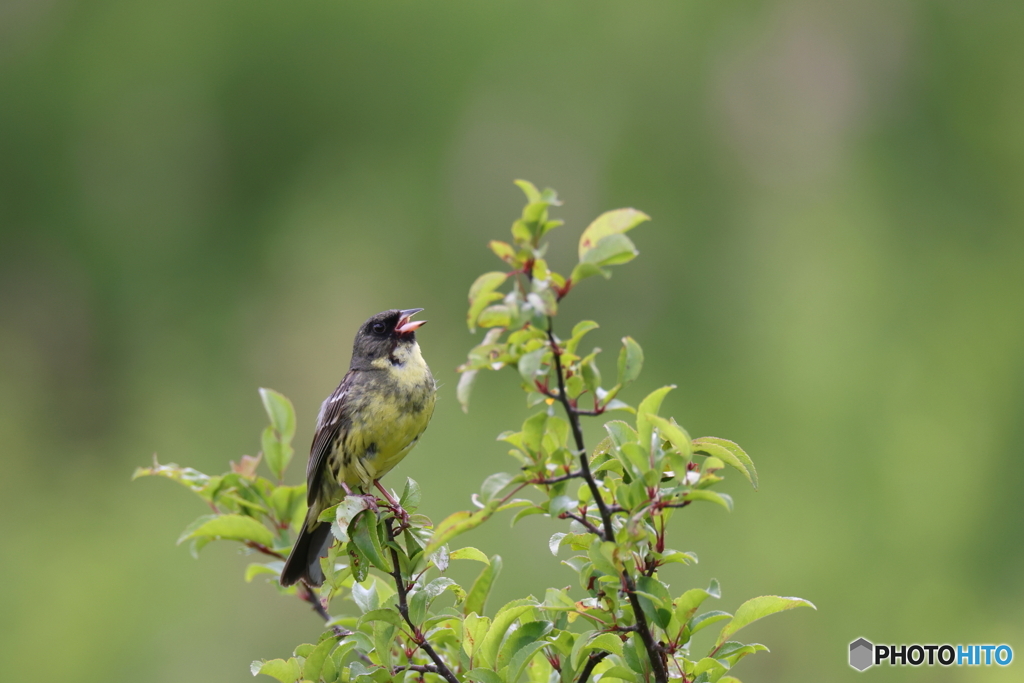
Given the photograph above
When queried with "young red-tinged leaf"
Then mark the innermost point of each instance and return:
(728, 452)
(609, 223)
(286, 671)
(631, 360)
(476, 599)
(228, 527)
(758, 608)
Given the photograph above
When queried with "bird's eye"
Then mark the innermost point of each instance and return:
(378, 328)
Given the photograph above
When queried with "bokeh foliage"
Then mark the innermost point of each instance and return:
(200, 198)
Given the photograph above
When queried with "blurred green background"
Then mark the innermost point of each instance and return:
(201, 198)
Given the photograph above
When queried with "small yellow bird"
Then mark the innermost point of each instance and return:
(365, 428)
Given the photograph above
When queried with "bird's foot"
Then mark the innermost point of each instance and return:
(395, 507)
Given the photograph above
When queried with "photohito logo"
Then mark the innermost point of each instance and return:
(864, 654)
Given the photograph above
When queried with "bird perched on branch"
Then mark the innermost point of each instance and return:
(365, 428)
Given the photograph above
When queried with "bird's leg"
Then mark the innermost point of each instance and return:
(371, 500)
(396, 508)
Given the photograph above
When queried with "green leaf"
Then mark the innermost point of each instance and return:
(285, 671)
(365, 536)
(469, 553)
(723, 499)
(411, 495)
(675, 435)
(340, 516)
(257, 568)
(315, 660)
(483, 676)
(275, 452)
(281, 413)
(288, 502)
(521, 658)
(729, 453)
(583, 270)
(465, 387)
(530, 363)
(687, 603)
(494, 484)
(420, 600)
(611, 250)
(533, 431)
(503, 250)
(654, 600)
(476, 600)
(609, 223)
(704, 620)
(527, 633)
(758, 608)
(474, 628)
(631, 360)
(228, 527)
(388, 615)
(530, 190)
(482, 293)
(458, 523)
(488, 649)
(649, 406)
(585, 643)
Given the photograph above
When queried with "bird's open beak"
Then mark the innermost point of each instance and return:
(406, 326)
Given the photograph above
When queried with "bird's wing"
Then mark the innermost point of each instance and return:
(329, 423)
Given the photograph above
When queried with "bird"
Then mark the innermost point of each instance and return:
(365, 427)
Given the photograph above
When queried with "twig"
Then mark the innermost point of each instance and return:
(629, 586)
(554, 480)
(403, 609)
(593, 660)
(582, 520)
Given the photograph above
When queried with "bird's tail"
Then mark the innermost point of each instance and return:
(304, 561)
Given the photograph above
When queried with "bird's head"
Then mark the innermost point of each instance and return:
(383, 333)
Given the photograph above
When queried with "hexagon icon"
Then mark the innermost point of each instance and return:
(862, 654)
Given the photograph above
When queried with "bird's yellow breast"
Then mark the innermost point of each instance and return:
(390, 412)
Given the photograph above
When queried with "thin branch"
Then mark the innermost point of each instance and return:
(582, 520)
(554, 480)
(593, 660)
(403, 609)
(421, 668)
(654, 653)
